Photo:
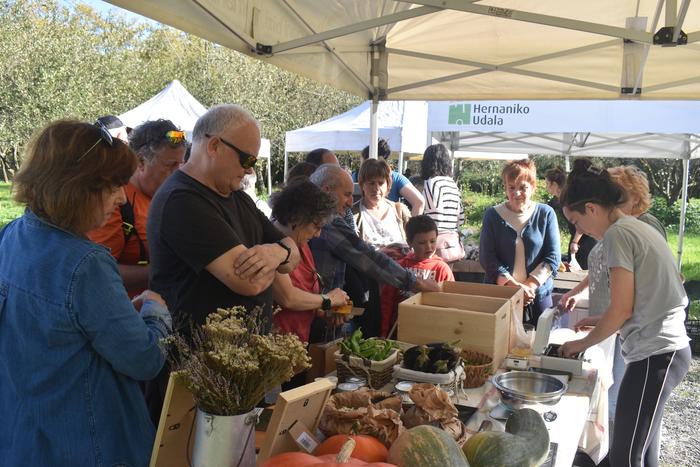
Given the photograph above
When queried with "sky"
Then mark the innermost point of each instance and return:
(104, 7)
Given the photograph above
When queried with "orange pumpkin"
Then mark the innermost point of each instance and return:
(367, 448)
(342, 459)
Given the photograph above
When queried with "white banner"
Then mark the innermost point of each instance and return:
(565, 116)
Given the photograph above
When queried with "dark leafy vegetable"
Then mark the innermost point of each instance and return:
(431, 358)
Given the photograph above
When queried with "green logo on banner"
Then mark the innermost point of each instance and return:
(459, 114)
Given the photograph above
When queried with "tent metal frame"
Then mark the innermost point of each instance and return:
(672, 18)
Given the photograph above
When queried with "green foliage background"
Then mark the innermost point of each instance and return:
(60, 62)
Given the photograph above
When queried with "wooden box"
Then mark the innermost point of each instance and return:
(322, 359)
(513, 294)
(479, 323)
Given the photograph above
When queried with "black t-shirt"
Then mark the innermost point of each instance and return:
(189, 226)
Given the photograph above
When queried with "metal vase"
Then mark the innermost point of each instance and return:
(224, 441)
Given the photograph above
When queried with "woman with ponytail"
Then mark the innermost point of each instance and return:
(637, 278)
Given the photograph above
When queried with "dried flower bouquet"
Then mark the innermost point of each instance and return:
(231, 363)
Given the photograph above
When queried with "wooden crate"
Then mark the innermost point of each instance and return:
(479, 323)
(513, 294)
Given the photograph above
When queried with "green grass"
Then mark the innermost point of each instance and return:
(9, 210)
(691, 254)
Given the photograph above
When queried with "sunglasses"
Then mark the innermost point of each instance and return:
(247, 160)
(104, 136)
(175, 136)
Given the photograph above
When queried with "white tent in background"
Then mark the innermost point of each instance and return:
(403, 124)
(176, 104)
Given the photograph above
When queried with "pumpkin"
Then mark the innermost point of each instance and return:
(524, 444)
(426, 446)
(342, 459)
(367, 448)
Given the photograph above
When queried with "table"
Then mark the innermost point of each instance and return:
(581, 421)
(565, 281)
(568, 430)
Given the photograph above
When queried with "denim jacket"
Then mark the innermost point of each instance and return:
(540, 239)
(72, 348)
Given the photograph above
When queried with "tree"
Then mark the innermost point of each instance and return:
(74, 63)
(666, 178)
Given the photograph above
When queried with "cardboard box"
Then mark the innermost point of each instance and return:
(322, 359)
(479, 323)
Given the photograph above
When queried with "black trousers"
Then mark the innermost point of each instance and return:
(645, 388)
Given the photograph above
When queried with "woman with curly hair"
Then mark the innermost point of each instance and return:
(300, 211)
(635, 183)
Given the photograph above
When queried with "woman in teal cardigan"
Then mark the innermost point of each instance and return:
(519, 242)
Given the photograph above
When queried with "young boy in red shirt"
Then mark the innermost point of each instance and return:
(421, 233)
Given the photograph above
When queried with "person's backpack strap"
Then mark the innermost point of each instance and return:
(129, 229)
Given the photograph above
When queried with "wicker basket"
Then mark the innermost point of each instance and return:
(477, 368)
(376, 373)
(693, 328)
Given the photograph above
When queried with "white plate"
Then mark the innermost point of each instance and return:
(404, 386)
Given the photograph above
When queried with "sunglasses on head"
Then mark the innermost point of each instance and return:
(175, 136)
(104, 136)
(247, 160)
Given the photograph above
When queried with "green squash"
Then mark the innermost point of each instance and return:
(426, 446)
(524, 444)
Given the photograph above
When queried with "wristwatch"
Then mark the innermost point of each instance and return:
(289, 252)
(326, 303)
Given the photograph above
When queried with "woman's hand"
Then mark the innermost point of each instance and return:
(147, 295)
(568, 301)
(571, 348)
(588, 322)
(573, 248)
(333, 320)
(338, 297)
(529, 289)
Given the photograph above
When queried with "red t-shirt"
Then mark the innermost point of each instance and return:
(111, 234)
(432, 268)
(303, 277)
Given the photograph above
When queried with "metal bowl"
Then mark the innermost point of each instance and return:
(528, 387)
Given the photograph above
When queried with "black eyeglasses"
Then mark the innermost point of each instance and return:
(247, 160)
(105, 136)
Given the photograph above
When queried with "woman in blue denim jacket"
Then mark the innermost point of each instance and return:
(519, 241)
(72, 344)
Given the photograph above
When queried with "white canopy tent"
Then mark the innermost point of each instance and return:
(176, 104)
(173, 103)
(641, 129)
(403, 124)
(460, 49)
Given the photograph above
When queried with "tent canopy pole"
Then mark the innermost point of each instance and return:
(684, 208)
(373, 128)
(269, 175)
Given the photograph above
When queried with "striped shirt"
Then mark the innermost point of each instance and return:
(443, 203)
